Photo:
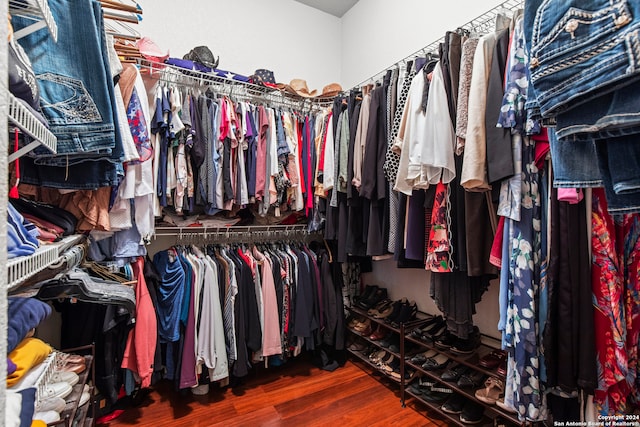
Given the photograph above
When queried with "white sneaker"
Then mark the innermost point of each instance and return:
(65, 377)
(59, 389)
(47, 416)
(84, 398)
(53, 404)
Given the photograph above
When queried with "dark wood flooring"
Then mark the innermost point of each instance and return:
(296, 394)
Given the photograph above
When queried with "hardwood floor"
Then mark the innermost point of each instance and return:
(296, 394)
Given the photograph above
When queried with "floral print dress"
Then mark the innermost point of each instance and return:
(522, 202)
(524, 389)
(616, 295)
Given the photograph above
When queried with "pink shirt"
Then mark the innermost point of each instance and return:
(140, 350)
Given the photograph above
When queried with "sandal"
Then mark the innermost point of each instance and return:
(494, 388)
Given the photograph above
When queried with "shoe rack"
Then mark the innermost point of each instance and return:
(367, 355)
(74, 414)
(410, 345)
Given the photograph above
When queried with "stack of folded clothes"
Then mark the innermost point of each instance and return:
(36, 385)
(50, 223)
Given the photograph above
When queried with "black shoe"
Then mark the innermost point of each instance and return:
(407, 313)
(454, 373)
(420, 358)
(435, 333)
(446, 341)
(397, 307)
(472, 379)
(454, 404)
(387, 340)
(426, 327)
(379, 295)
(437, 394)
(368, 290)
(469, 345)
(391, 342)
(436, 362)
(464, 347)
(422, 385)
(472, 413)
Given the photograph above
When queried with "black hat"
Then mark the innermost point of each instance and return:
(203, 55)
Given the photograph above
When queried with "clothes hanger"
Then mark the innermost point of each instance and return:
(326, 245)
(118, 5)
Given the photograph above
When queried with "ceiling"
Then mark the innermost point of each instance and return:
(333, 7)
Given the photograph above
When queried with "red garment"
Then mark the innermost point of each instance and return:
(495, 258)
(439, 248)
(44, 225)
(303, 178)
(141, 342)
(261, 153)
(615, 278)
(225, 129)
(310, 166)
(327, 123)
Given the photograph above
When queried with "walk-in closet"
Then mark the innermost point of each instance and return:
(305, 213)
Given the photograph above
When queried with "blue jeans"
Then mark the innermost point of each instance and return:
(619, 162)
(73, 80)
(575, 163)
(611, 115)
(612, 163)
(581, 49)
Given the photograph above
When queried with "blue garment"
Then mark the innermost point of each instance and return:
(20, 241)
(28, 406)
(186, 299)
(522, 326)
(80, 105)
(74, 94)
(619, 164)
(610, 115)
(503, 297)
(575, 163)
(23, 314)
(581, 49)
(160, 126)
(170, 294)
(127, 243)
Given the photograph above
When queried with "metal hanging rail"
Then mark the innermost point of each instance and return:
(236, 234)
(235, 89)
(479, 25)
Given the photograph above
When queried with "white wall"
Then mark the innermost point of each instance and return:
(414, 285)
(289, 38)
(378, 33)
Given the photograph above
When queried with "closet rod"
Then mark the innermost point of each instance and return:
(228, 86)
(249, 233)
(478, 24)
